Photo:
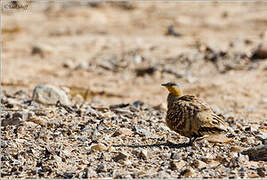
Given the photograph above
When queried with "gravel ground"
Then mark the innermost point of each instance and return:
(81, 95)
(119, 141)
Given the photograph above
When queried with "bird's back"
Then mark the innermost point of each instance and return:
(191, 117)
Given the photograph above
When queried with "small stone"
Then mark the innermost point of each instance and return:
(143, 154)
(137, 104)
(101, 168)
(123, 132)
(177, 165)
(258, 153)
(236, 149)
(252, 174)
(111, 149)
(69, 64)
(30, 124)
(137, 58)
(41, 49)
(261, 172)
(188, 172)
(213, 164)
(263, 137)
(264, 100)
(175, 156)
(48, 94)
(221, 138)
(120, 156)
(37, 120)
(260, 52)
(82, 66)
(14, 119)
(199, 164)
(99, 147)
(251, 128)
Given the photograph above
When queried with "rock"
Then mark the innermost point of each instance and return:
(175, 156)
(260, 52)
(137, 104)
(177, 165)
(82, 66)
(14, 119)
(101, 168)
(141, 131)
(263, 137)
(236, 149)
(143, 71)
(263, 100)
(258, 153)
(172, 32)
(69, 64)
(120, 157)
(252, 174)
(41, 49)
(137, 58)
(48, 94)
(122, 105)
(221, 138)
(99, 147)
(213, 164)
(143, 154)
(199, 164)
(261, 172)
(37, 120)
(251, 128)
(188, 172)
(123, 132)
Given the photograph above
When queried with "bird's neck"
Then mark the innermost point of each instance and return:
(171, 99)
(175, 91)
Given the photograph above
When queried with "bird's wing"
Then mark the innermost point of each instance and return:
(200, 117)
(210, 123)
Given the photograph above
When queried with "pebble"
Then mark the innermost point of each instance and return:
(50, 95)
(143, 154)
(263, 100)
(175, 156)
(123, 132)
(14, 119)
(99, 147)
(137, 104)
(263, 137)
(199, 164)
(261, 51)
(188, 172)
(177, 165)
(221, 138)
(258, 153)
(132, 152)
(120, 156)
(101, 168)
(236, 149)
(69, 64)
(41, 49)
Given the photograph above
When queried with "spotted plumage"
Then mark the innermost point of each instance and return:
(190, 116)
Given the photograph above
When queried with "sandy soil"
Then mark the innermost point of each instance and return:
(107, 48)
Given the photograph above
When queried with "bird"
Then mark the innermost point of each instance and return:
(190, 116)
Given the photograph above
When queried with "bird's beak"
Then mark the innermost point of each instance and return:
(164, 84)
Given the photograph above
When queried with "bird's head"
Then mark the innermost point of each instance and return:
(173, 88)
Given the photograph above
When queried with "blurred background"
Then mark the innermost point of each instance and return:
(120, 52)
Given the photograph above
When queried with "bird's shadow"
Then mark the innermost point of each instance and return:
(167, 144)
